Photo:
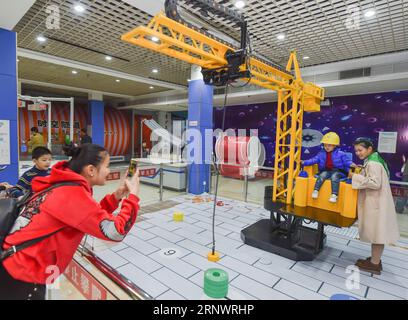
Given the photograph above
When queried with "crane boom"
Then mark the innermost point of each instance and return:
(187, 43)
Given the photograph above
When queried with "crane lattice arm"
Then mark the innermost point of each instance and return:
(185, 42)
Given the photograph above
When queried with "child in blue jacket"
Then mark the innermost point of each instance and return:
(333, 163)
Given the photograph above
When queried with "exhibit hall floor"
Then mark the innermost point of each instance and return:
(143, 257)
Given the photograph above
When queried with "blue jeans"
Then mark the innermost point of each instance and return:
(334, 175)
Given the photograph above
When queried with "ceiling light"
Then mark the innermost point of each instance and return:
(155, 39)
(117, 80)
(155, 71)
(108, 58)
(74, 72)
(369, 13)
(306, 57)
(280, 36)
(240, 4)
(41, 39)
(151, 87)
(79, 8)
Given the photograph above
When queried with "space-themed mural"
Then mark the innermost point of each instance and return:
(350, 116)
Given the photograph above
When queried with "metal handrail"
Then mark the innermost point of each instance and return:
(125, 284)
(401, 183)
(244, 166)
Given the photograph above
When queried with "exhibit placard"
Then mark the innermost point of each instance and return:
(21, 104)
(37, 107)
(5, 142)
(387, 142)
(84, 282)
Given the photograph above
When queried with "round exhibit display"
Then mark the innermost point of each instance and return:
(239, 155)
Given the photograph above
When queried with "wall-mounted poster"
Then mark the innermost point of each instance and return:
(387, 142)
(5, 142)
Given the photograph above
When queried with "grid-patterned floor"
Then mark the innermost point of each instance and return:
(167, 259)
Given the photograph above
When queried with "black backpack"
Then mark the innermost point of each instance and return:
(10, 209)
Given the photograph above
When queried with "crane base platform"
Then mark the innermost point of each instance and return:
(303, 244)
(286, 234)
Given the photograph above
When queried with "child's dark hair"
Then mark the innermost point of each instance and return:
(84, 155)
(39, 152)
(365, 142)
(34, 129)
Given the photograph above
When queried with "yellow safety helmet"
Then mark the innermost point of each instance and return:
(331, 138)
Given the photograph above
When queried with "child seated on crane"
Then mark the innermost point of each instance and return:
(333, 164)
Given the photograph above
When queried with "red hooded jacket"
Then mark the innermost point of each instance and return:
(71, 208)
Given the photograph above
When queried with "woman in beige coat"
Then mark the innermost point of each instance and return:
(377, 219)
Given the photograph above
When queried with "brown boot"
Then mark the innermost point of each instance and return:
(369, 259)
(367, 265)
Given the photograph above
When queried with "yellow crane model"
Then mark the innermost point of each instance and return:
(221, 64)
(180, 40)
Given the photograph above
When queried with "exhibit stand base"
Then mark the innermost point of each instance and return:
(286, 233)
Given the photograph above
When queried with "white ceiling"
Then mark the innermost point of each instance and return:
(151, 7)
(321, 29)
(314, 27)
(11, 12)
(90, 36)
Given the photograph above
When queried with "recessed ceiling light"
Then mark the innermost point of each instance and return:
(306, 57)
(369, 13)
(117, 80)
(280, 36)
(108, 58)
(74, 72)
(155, 39)
(155, 70)
(79, 8)
(240, 4)
(151, 87)
(41, 39)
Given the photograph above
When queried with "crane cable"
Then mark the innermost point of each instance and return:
(217, 170)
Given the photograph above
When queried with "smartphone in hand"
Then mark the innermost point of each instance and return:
(132, 168)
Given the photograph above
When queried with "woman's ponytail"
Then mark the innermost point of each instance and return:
(84, 155)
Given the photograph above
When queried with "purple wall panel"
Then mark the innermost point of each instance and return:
(350, 117)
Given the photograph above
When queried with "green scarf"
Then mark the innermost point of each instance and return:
(377, 158)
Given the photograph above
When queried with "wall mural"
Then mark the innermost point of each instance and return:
(350, 116)
(118, 132)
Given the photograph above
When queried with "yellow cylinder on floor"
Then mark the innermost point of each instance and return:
(178, 216)
(301, 192)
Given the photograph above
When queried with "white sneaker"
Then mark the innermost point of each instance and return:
(315, 194)
(333, 198)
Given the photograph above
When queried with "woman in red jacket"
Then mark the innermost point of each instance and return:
(73, 211)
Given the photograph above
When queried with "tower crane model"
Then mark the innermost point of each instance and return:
(222, 64)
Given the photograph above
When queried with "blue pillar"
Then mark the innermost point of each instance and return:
(97, 110)
(200, 117)
(8, 108)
